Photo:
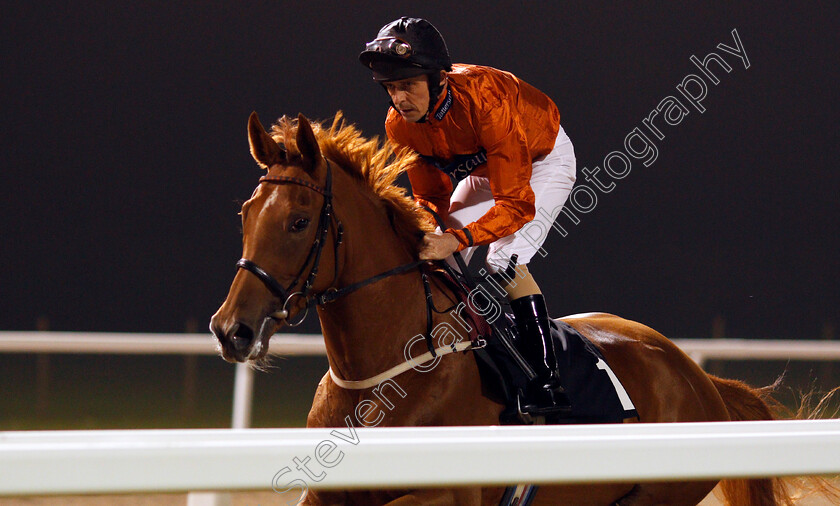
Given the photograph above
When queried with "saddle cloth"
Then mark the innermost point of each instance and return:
(596, 395)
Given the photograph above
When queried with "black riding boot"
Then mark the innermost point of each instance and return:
(544, 395)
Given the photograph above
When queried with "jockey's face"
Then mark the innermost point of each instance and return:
(410, 97)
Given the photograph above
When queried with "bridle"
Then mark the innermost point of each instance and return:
(306, 291)
(330, 294)
(285, 293)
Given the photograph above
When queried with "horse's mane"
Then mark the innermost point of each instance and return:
(376, 165)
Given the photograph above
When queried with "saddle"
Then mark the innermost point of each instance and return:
(595, 393)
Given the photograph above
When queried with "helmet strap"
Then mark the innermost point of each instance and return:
(435, 90)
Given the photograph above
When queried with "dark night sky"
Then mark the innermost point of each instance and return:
(125, 151)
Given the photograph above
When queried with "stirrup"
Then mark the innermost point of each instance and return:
(558, 409)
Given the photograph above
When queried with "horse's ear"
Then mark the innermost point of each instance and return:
(307, 143)
(264, 149)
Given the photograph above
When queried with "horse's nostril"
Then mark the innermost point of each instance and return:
(242, 337)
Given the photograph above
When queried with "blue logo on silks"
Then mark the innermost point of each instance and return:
(461, 166)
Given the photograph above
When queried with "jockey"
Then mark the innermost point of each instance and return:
(498, 142)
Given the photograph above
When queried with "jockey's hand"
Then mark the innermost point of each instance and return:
(438, 246)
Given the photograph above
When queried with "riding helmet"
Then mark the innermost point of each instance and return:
(406, 47)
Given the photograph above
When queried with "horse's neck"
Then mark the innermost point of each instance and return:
(365, 331)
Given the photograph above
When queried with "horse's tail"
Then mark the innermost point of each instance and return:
(745, 403)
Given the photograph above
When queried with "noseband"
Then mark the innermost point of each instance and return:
(314, 256)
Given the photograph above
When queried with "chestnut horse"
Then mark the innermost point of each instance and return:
(325, 218)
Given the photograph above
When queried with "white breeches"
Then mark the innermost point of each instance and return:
(552, 178)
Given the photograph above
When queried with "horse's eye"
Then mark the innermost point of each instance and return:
(299, 225)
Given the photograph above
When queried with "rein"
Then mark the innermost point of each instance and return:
(335, 293)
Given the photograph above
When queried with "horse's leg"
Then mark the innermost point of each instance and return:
(324, 498)
(441, 497)
(603, 494)
(667, 494)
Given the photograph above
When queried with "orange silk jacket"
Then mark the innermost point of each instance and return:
(489, 124)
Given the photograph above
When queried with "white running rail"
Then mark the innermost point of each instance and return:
(66, 462)
(70, 462)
